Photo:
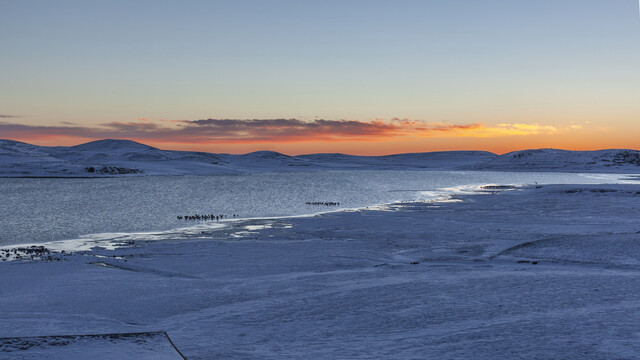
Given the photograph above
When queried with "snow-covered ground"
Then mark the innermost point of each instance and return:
(123, 157)
(536, 273)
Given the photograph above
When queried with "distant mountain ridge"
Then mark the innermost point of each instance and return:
(111, 157)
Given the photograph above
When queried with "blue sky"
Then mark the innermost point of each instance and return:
(555, 63)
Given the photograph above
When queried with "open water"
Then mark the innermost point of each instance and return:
(40, 210)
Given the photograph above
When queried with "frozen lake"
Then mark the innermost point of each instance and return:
(47, 209)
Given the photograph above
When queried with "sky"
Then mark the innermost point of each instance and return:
(361, 77)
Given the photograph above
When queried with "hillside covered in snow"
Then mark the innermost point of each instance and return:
(620, 160)
(124, 157)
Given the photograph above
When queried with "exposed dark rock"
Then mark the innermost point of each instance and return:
(627, 157)
(111, 170)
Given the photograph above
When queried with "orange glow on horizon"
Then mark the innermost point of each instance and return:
(498, 145)
(293, 137)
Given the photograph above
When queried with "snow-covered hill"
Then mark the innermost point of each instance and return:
(124, 157)
(615, 160)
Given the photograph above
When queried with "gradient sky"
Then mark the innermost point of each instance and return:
(360, 77)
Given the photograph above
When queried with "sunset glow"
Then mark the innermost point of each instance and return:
(297, 137)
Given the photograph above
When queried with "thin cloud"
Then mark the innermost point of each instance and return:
(221, 131)
(10, 116)
(519, 129)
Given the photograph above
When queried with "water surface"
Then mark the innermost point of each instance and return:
(41, 210)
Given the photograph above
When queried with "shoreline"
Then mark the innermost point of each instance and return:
(84, 243)
(117, 240)
(94, 215)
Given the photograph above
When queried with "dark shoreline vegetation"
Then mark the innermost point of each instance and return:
(31, 253)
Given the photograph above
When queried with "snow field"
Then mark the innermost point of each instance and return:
(535, 273)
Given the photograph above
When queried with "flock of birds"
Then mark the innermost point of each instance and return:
(204, 217)
(213, 217)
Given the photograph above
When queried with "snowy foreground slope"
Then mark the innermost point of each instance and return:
(124, 157)
(549, 272)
